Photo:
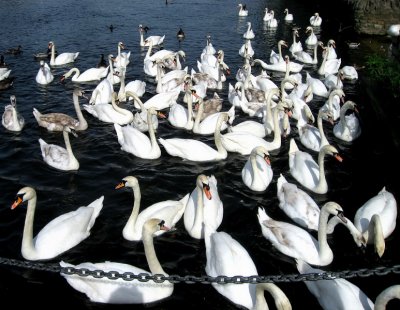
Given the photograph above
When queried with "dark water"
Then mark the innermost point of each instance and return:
(369, 163)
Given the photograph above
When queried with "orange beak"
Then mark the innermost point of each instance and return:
(267, 160)
(338, 158)
(207, 191)
(120, 185)
(16, 203)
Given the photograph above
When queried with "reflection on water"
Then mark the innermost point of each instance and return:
(82, 26)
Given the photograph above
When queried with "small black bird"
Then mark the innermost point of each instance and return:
(6, 83)
(15, 51)
(2, 62)
(180, 35)
(111, 27)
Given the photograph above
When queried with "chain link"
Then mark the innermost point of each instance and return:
(204, 279)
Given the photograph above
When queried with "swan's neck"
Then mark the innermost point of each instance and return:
(199, 114)
(75, 71)
(280, 51)
(153, 140)
(15, 116)
(325, 253)
(68, 146)
(254, 167)
(190, 123)
(321, 69)
(342, 119)
(322, 186)
(324, 140)
(198, 221)
(148, 54)
(218, 140)
(122, 91)
(53, 54)
(141, 38)
(277, 129)
(83, 125)
(150, 252)
(159, 88)
(130, 224)
(120, 110)
(281, 300)
(28, 247)
(315, 60)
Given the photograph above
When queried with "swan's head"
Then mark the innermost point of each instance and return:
(262, 152)
(282, 43)
(50, 45)
(23, 195)
(335, 209)
(351, 105)
(70, 130)
(203, 183)
(331, 150)
(13, 100)
(332, 42)
(121, 45)
(339, 92)
(129, 181)
(309, 29)
(80, 93)
(286, 11)
(326, 115)
(316, 14)
(153, 225)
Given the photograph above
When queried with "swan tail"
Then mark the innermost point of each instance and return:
(293, 147)
(76, 55)
(120, 134)
(36, 114)
(97, 205)
(43, 146)
(280, 182)
(262, 215)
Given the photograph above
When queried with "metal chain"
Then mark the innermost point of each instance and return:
(191, 279)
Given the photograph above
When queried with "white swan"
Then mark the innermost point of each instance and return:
(306, 171)
(249, 34)
(312, 38)
(89, 75)
(376, 219)
(296, 46)
(257, 172)
(349, 72)
(57, 156)
(61, 59)
(243, 10)
(288, 16)
(246, 50)
(277, 57)
(297, 204)
(170, 210)
(140, 118)
(335, 293)
(44, 75)
(57, 121)
(102, 93)
(317, 86)
(348, 128)
(194, 150)
(329, 66)
(332, 105)
(272, 22)
(60, 234)
(110, 113)
(11, 119)
(226, 256)
(137, 87)
(204, 207)
(306, 58)
(122, 58)
(330, 49)
(296, 242)
(243, 142)
(267, 16)
(137, 143)
(315, 20)
(392, 292)
(280, 66)
(111, 76)
(333, 81)
(181, 117)
(155, 40)
(313, 137)
(120, 291)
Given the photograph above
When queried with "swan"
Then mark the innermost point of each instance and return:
(257, 172)
(137, 87)
(296, 242)
(120, 291)
(110, 113)
(160, 101)
(312, 38)
(272, 22)
(349, 72)
(226, 256)
(122, 58)
(333, 81)
(209, 48)
(4, 73)
(296, 45)
(313, 137)
(243, 10)
(318, 87)
(111, 76)
(140, 118)
(102, 93)
(274, 57)
(348, 128)
(315, 20)
(11, 119)
(204, 207)
(280, 66)
(57, 121)
(329, 66)
(306, 171)
(60, 234)
(57, 156)
(267, 16)
(44, 75)
(379, 209)
(297, 204)
(181, 117)
(133, 141)
(288, 16)
(249, 34)
(335, 293)
(170, 210)
(392, 292)
(194, 150)
(330, 50)
(89, 75)
(155, 40)
(243, 142)
(246, 50)
(332, 105)
(61, 59)
(306, 58)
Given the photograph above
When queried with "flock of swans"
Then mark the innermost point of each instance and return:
(271, 110)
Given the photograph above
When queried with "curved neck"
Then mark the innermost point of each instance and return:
(377, 234)
(189, 123)
(321, 69)
(199, 114)
(118, 109)
(198, 221)
(343, 111)
(315, 60)
(322, 185)
(122, 92)
(136, 99)
(68, 145)
(28, 247)
(217, 138)
(324, 252)
(388, 294)
(277, 129)
(83, 125)
(281, 300)
(148, 54)
(153, 140)
(130, 224)
(159, 88)
(150, 252)
(77, 73)
(324, 140)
